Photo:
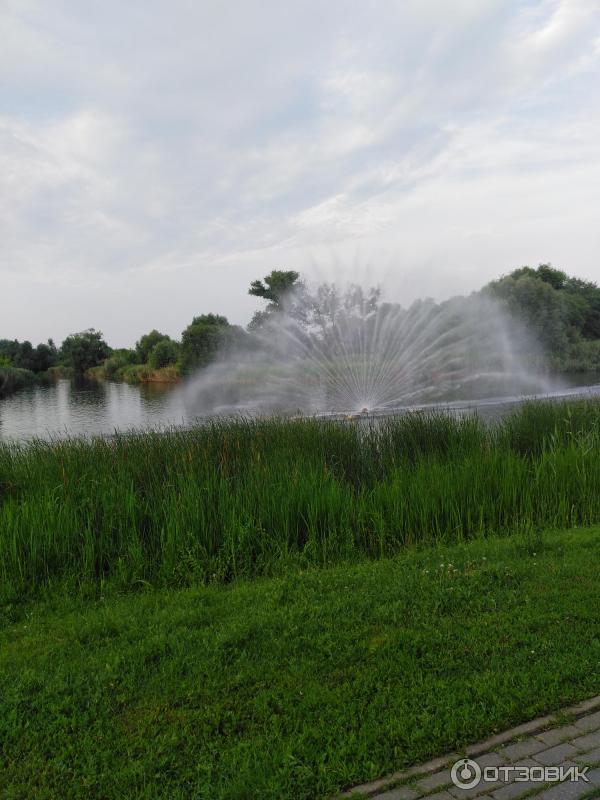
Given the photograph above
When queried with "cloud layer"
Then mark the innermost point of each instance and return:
(154, 158)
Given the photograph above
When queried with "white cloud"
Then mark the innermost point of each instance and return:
(154, 159)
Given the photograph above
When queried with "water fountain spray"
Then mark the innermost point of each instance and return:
(347, 351)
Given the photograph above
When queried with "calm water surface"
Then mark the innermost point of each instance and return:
(89, 408)
(92, 408)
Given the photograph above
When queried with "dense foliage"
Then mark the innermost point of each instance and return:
(562, 313)
(164, 352)
(82, 351)
(208, 335)
(23, 355)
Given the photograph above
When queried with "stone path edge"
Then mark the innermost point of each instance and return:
(366, 790)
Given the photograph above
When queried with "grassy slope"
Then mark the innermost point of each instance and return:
(295, 687)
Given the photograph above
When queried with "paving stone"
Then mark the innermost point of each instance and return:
(547, 746)
(511, 791)
(513, 752)
(486, 760)
(556, 756)
(569, 790)
(490, 760)
(484, 787)
(591, 757)
(372, 787)
(434, 765)
(507, 736)
(589, 723)
(401, 793)
(431, 782)
(558, 735)
(585, 706)
(517, 789)
(587, 742)
(476, 791)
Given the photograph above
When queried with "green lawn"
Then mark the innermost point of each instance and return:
(295, 687)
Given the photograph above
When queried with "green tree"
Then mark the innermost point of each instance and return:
(562, 312)
(276, 286)
(163, 353)
(9, 348)
(542, 309)
(144, 346)
(24, 355)
(560, 309)
(84, 350)
(588, 294)
(207, 335)
(46, 356)
(122, 357)
(555, 277)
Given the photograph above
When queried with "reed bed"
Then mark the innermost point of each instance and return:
(13, 379)
(252, 497)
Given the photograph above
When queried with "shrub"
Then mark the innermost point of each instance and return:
(163, 353)
(12, 379)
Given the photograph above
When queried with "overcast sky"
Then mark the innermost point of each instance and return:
(156, 156)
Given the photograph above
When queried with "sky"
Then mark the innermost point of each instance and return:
(155, 157)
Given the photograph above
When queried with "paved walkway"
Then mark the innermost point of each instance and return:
(545, 758)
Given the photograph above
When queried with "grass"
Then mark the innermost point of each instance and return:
(283, 609)
(136, 373)
(13, 379)
(254, 498)
(297, 686)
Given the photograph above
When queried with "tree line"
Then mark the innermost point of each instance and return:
(87, 350)
(562, 312)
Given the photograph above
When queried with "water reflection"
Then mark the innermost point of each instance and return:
(89, 408)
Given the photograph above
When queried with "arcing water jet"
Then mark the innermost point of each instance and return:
(345, 350)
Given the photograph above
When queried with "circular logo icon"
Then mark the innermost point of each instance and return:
(465, 773)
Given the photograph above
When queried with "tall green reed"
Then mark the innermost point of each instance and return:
(251, 497)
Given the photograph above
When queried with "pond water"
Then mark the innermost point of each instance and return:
(91, 408)
(68, 408)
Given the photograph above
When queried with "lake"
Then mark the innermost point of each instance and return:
(68, 408)
(91, 408)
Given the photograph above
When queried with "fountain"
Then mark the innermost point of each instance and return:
(348, 352)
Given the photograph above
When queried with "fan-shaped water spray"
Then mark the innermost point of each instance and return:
(345, 351)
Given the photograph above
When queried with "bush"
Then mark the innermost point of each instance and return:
(116, 362)
(163, 353)
(146, 344)
(207, 336)
(12, 379)
(84, 350)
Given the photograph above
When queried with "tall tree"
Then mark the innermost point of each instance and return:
(84, 350)
(146, 343)
(276, 285)
(207, 335)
